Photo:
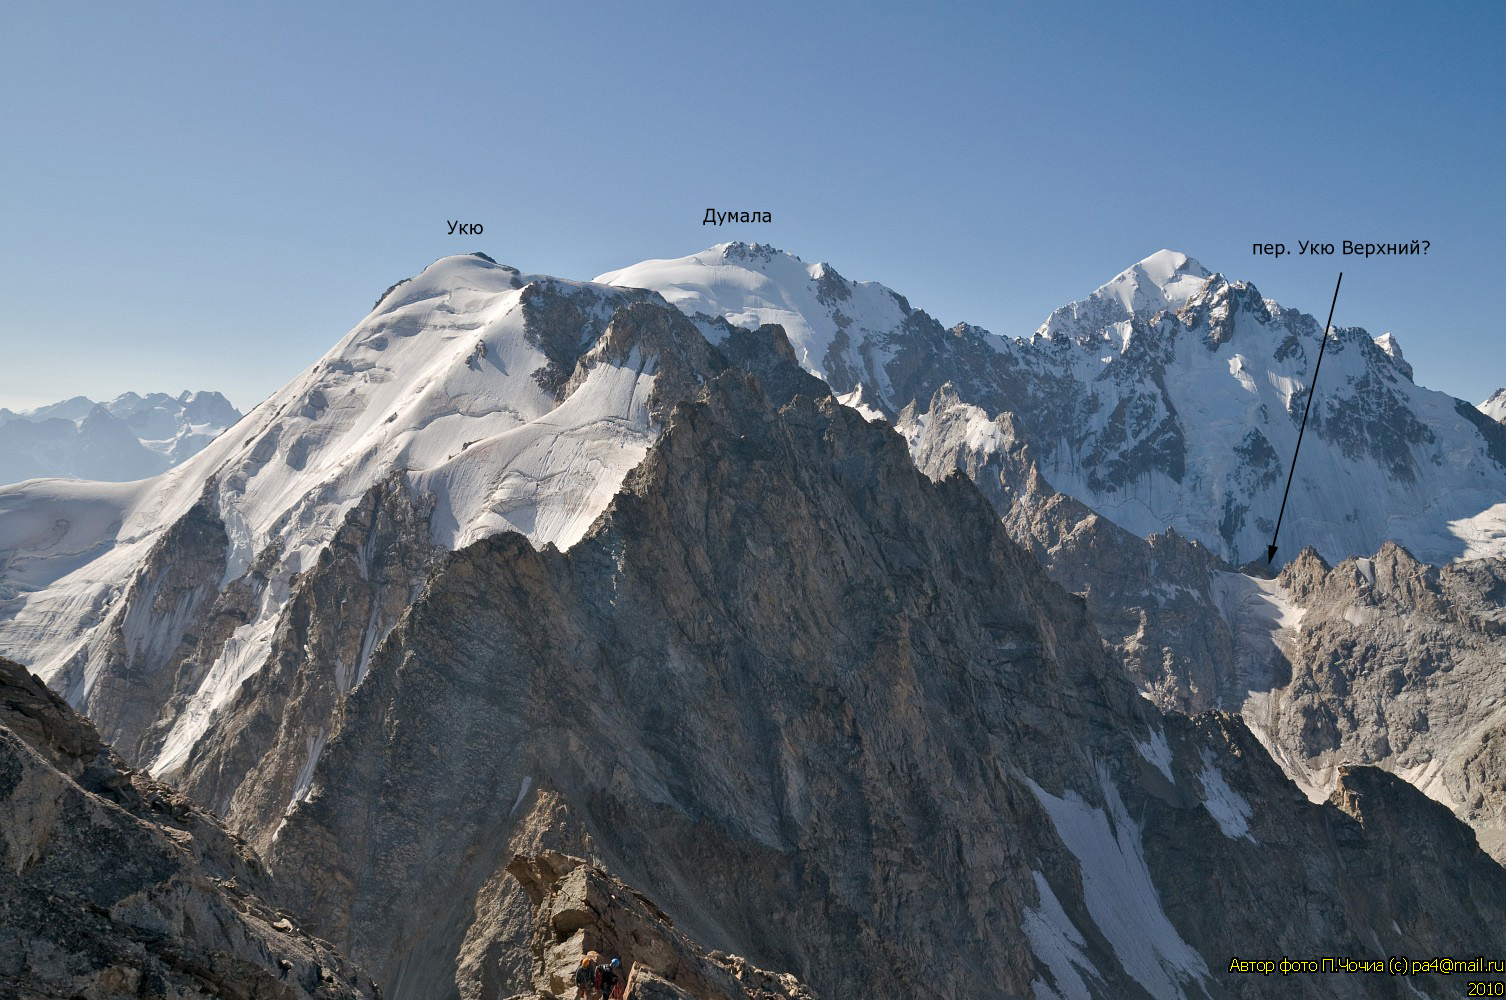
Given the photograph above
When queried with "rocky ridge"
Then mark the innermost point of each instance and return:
(114, 885)
(580, 909)
(1396, 663)
(1086, 438)
(1153, 599)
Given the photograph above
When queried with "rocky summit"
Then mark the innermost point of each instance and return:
(735, 619)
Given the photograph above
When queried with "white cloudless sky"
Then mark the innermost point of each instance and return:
(208, 196)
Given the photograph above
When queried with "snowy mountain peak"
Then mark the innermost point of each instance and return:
(737, 250)
(1165, 266)
(1164, 281)
(832, 323)
(1495, 406)
(492, 400)
(1388, 343)
(735, 255)
(441, 273)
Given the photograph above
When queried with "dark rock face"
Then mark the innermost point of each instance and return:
(143, 663)
(1379, 833)
(1394, 664)
(112, 885)
(338, 614)
(1172, 396)
(829, 717)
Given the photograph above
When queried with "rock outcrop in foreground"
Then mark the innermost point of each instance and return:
(579, 908)
(113, 885)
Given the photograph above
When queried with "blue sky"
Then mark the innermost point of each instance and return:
(208, 196)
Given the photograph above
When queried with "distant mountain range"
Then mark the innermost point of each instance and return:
(1169, 397)
(128, 438)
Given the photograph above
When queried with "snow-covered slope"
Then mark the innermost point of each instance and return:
(130, 437)
(843, 331)
(1169, 397)
(1495, 406)
(1190, 414)
(479, 386)
(1165, 280)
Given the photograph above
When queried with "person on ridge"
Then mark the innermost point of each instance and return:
(609, 978)
(584, 978)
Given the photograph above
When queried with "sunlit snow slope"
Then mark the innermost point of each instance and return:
(843, 331)
(448, 382)
(1495, 406)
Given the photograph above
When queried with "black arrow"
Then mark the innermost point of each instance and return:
(1312, 390)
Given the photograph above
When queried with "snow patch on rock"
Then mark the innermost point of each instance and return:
(1119, 892)
(1227, 807)
(1157, 752)
(1059, 945)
